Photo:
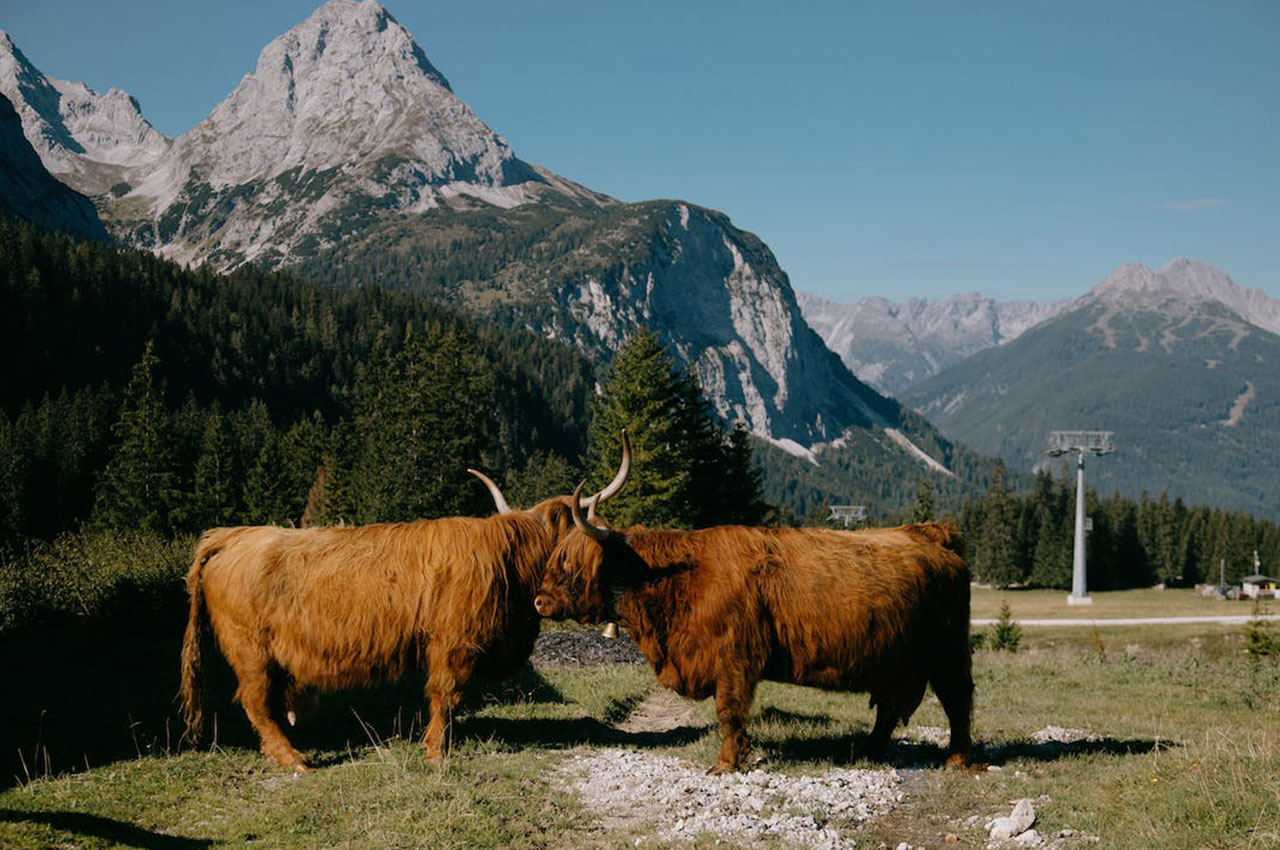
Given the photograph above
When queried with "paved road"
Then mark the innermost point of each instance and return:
(1234, 620)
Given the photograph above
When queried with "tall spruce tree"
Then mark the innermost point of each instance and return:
(422, 417)
(214, 501)
(683, 464)
(923, 510)
(140, 485)
(742, 501)
(995, 561)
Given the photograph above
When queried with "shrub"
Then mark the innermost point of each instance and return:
(1007, 634)
(1260, 640)
(90, 576)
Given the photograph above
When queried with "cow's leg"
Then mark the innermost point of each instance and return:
(894, 704)
(952, 682)
(447, 673)
(733, 704)
(261, 695)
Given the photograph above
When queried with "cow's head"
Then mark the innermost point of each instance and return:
(588, 569)
(554, 512)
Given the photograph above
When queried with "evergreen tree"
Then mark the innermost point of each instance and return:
(686, 473)
(645, 394)
(422, 417)
(140, 485)
(268, 496)
(740, 477)
(214, 501)
(923, 510)
(994, 560)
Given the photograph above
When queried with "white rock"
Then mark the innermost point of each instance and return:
(1018, 822)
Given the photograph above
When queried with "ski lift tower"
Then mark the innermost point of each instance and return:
(847, 514)
(1082, 443)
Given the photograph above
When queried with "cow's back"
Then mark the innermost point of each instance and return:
(342, 607)
(846, 607)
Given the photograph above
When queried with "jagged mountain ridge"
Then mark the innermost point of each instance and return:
(893, 345)
(345, 139)
(93, 141)
(29, 191)
(1189, 385)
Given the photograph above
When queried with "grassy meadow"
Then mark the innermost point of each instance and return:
(1188, 756)
(1142, 602)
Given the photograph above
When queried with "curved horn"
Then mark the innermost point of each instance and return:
(594, 532)
(498, 500)
(624, 469)
(591, 507)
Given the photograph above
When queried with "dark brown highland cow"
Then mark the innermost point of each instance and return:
(715, 611)
(300, 611)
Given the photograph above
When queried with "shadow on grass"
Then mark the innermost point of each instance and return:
(83, 825)
(80, 696)
(846, 750)
(564, 733)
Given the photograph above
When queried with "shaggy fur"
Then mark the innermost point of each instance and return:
(715, 611)
(299, 611)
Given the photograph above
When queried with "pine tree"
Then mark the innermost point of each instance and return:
(742, 499)
(644, 394)
(422, 417)
(140, 485)
(685, 473)
(923, 510)
(994, 560)
(214, 501)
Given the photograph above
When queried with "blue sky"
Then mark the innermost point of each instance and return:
(1023, 149)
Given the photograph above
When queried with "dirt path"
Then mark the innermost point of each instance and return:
(662, 711)
(1234, 620)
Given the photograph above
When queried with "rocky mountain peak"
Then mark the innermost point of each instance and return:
(84, 137)
(1186, 282)
(348, 84)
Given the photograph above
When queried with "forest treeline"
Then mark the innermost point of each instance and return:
(1028, 538)
(146, 401)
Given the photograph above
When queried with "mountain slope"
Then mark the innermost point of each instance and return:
(893, 345)
(92, 141)
(1190, 387)
(28, 191)
(346, 155)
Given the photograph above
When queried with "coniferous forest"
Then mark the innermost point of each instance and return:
(144, 402)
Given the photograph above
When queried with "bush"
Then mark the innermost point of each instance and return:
(1007, 634)
(1259, 639)
(90, 576)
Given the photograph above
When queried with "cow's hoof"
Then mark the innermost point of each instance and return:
(957, 761)
(303, 767)
(721, 768)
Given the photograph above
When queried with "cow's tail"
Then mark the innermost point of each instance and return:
(197, 622)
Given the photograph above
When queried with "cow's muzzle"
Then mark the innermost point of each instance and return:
(543, 605)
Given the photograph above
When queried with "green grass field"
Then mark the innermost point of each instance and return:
(1146, 602)
(1189, 757)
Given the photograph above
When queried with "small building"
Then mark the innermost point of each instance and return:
(1257, 585)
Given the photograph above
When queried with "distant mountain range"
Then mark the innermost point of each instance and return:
(1182, 363)
(346, 156)
(893, 345)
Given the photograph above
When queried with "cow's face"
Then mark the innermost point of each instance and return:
(577, 583)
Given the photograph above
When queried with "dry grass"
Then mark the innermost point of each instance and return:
(1189, 756)
(1146, 602)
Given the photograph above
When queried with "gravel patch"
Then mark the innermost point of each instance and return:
(1061, 735)
(667, 797)
(584, 648)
